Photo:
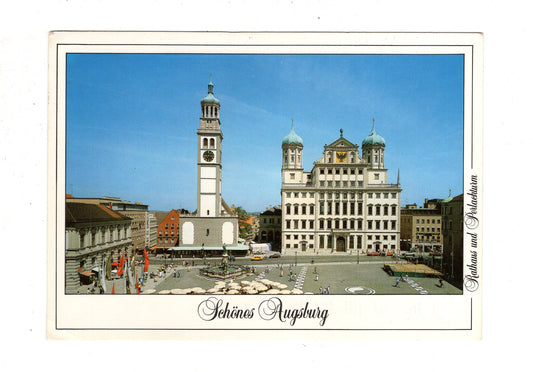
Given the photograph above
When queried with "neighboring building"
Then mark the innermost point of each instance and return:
(270, 227)
(344, 204)
(212, 226)
(452, 237)
(93, 233)
(421, 228)
(137, 211)
(151, 230)
(168, 229)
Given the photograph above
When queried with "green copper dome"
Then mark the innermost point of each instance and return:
(374, 138)
(210, 98)
(292, 138)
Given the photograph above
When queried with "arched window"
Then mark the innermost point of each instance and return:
(212, 142)
(205, 142)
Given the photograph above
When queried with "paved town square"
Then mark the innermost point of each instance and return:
(342, 275)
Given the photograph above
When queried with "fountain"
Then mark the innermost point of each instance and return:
(224, 270)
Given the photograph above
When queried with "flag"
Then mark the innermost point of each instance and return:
(127, 277)
(130, 274)
(146, 261)
(120, 269)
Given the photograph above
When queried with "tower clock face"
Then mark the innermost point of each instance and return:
(209, 156)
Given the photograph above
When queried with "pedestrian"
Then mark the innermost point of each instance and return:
(320, 290)
(397, 283)
(328, 290)
(316, 277)
(441, 283)
(406, 277)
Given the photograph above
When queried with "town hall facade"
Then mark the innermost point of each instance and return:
(344, 204)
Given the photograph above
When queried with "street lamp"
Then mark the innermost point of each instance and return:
(296, 258)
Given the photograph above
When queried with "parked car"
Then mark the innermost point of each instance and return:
(275, 255)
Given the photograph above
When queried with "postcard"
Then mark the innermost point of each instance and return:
(265, 185)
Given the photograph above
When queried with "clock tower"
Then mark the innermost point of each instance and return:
(209, 157)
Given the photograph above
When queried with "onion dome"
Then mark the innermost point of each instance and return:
(292, 138)
(374, 138)
(210, 98)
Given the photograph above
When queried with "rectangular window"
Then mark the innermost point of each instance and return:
(321, 207)
(295, 224)
(360, 208)
(378, 210)
(386, 210)
(295, 237)
(311, 209)
(359, 241)
(295, 209)
(321, 241)
(393, 210)
(311, 224)
(303, 224)
(288, 211)
(337, 208)
(385, 225)
(378, 224)
(352, 208)
(369, 225)
(321, 224)
(376, 176)
(344, 224)
(304, 209)
(337, 224)
(344, 208)
(352, 224)
(370, 210)
(288, 224)
(360, 225)
(329, 224)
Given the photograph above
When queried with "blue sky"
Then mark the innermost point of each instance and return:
(132, 120)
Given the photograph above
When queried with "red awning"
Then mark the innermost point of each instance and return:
(87, 273)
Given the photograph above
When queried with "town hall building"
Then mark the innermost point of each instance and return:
(344, 204)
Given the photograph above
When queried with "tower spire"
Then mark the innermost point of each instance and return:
(292, 123)
(210, 85)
